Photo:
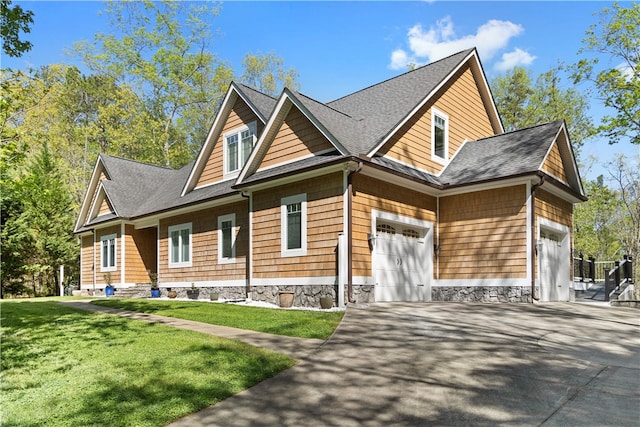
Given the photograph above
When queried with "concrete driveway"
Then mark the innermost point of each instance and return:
(448, 364)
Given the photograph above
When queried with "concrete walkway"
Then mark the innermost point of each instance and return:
(448, 364)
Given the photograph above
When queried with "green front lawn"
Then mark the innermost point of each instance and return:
(294, 323)
(67, 367)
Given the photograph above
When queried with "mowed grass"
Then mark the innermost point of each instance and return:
(294, 323)
(67, 367)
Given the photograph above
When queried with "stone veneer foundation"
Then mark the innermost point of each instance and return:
(482, 294)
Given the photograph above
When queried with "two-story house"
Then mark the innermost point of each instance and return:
(407, 190)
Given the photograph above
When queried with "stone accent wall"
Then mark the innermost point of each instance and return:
(481, 294)
(224, 292)
(304, 296)
(362, 294)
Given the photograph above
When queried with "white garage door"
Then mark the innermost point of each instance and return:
(554, 274)
(400, 263)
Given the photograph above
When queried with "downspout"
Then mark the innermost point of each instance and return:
(247, 195)
(534, 244)
(350, 233)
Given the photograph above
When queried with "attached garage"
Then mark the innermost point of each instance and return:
(553, 261)
(403, 259)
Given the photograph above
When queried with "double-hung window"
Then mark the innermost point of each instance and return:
(238, 144)
(293, 216)
(439, 135)
(180, 245)
(226, 238)
(108, 252)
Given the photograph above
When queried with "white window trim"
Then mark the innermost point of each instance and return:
(113, 237)
(234, 235)
(302, 251)
(178, 227)
(435, 112)
(237, 131)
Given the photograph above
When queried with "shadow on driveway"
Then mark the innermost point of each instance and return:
(455, 364)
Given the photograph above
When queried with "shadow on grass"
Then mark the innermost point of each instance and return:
(63, 366)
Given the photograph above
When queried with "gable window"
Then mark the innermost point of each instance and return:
(238, 144)
(180, 245)
(439, 135)
(108, 252)
(226, 238)
(294, 225)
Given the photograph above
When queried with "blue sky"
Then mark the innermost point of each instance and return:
(340, 47)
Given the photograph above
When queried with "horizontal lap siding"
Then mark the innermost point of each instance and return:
(241, 115)
(204, 251)
(554, 208)
(86, 269)
(105, 207)
(115, 275)
(370, 194)
(324, 223)
(483, 234)
(296, 138)
(553, 164)
(140, 252)
(460, 100)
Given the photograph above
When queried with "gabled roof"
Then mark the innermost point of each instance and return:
(360, 123)
(262, 105)
(512, 153)
(384, 107)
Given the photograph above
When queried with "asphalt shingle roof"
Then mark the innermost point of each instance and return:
(264, 103)
(501, 156)
(383, 106)
(359, 122)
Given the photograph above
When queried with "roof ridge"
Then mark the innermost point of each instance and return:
(137, 162)
(255, 90)
(325, 105)
(401, 75)
(520, 129)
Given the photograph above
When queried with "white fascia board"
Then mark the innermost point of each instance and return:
(574, 164)
(488, 94)
(101, 195)
(93, 183)
(216, 128)
(276, 116)
(154, 219)
(492, 185)
(277, 182)
(400, 181)
(323, 130)
(286, 101)
(426, 99)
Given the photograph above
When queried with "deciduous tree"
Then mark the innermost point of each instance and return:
(616, 38)
(14, 20)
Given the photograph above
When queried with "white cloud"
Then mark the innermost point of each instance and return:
(515, 58)
(440, 41)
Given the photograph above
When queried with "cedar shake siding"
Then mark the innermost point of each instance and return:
(88, 263)
(460, 100)
(483, 234)
(140, 253)
(204, 246)
(373, 194)
(456, 223)
(297, 138)
(553, 165)
(105, 207)
(324, 223)
(241, 115)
